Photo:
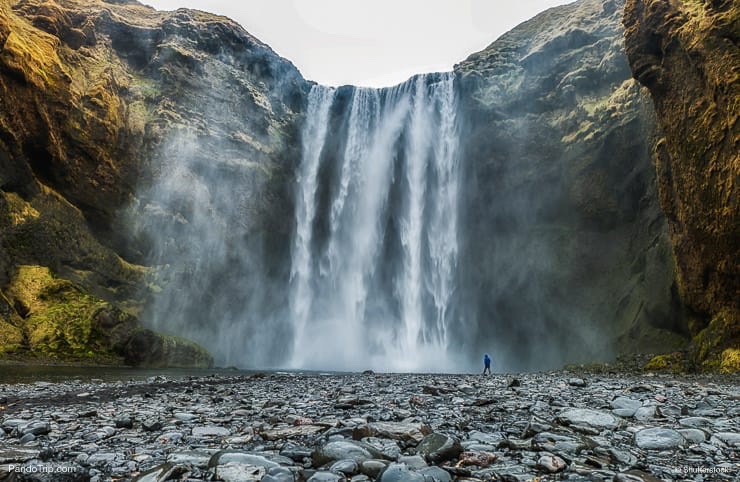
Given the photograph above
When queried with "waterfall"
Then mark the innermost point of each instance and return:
(374, 252)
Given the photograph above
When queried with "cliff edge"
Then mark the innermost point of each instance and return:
(686, 52)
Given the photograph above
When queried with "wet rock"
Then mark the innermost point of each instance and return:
(435, 474)
(346, 467)
(382, 448)
(326, 477)
(696, 422)
(401, 473)
(658, 439)
(191, 457)
(693, 435)
(407, 432)
(35, 428)
(224, 457)
(645, 413)
(635, 476)
(279, 474)
(551, 464)
(291, 432)
(340, 450)
(124, 421)
(373, 467)
(413, 461)
(438, 447)
(557, 443)
(210, 431)
(238, 472)
(585, 418)
(576, 382)
(478, 459)
(727, 438)
(151, 425)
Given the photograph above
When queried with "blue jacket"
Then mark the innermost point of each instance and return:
(487, 360)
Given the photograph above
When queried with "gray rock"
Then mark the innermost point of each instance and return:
(151, 425)
(382, 448)
(239, 472)
(414, 462)
(435, 474)
(326, 477)
(551, 463)
(340, 450)
(185, 417)
(696, 422)
(557, 443)
(279, 474)
(190, 457)
(645, 413)
(401, 473)
(625, 403)
(35, 428)
(577, 382)
(728, 438)
(437, 448)
(124, 421)
(585, 417)
(346, 467)
(373, 467)
(635, 476)
(658, 439)
(244, 458)
(407, 432)
(693, 435)
(210, 431)
(295, 452)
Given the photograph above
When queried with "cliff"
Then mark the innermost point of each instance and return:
(94, 94)
(148, 161)
(567, 246)
(686, 53)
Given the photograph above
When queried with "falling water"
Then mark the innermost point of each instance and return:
(375, 248)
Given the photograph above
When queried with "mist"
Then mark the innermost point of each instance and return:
(505, 208)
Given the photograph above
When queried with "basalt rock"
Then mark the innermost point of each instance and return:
(686, 54)
(92, 97)
(560, 195)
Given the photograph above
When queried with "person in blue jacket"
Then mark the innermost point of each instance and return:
(486, 364)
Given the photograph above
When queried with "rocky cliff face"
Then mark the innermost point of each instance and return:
(94, 96)
(567, 246)
(127, 135)
(686, 53)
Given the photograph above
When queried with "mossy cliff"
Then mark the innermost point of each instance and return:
(91, 92)
(686, 53)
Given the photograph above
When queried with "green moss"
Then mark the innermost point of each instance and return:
(59, 315)
(673, 362)
(730, 361)
(717, 347)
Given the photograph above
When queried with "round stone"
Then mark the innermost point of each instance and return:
(658, 439)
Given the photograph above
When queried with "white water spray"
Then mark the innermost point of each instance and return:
(375, 288)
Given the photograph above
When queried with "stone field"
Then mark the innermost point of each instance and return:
(374, 427)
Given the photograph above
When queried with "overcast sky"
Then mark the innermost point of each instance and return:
(371, 42)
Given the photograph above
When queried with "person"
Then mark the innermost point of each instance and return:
(486, 364)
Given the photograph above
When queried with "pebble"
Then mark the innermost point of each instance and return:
(390, 428)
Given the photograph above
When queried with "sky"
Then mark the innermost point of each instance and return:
(373, 43)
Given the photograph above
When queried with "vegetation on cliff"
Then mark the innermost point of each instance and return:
(686, 53)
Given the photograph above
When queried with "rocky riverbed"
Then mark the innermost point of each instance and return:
(365, 427)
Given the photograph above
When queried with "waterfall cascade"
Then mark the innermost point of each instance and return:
(374, 253)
